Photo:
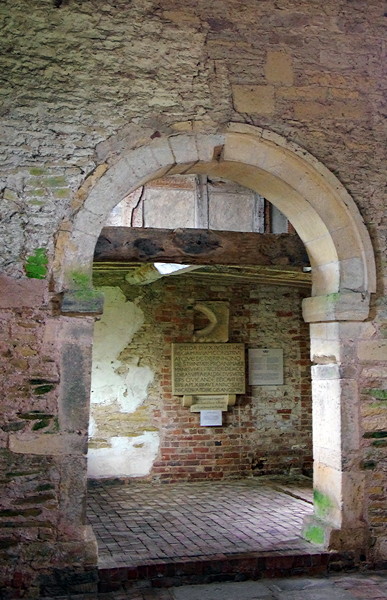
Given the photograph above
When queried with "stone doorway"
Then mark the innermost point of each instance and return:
(343, 276)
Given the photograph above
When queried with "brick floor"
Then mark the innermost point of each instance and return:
(238, 536)
(142, 523)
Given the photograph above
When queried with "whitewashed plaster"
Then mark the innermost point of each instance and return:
(113, 381)
(127, 457)
(121, 386)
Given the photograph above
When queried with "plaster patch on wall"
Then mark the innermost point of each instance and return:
(127, 457)
(112, 380)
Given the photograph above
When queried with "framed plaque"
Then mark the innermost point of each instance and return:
(266, 366)
(208, 369)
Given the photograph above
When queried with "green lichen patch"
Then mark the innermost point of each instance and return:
(322, 503)
(36, 171)
(36, 264)
(44, 389)
(82, 286)
(62, 193)
(377, 393)
(57, 181)
(35, 415)
(368, 465)
(40, 424)
(43, 487)
(314, 534)
(380, 443)
(375, 434)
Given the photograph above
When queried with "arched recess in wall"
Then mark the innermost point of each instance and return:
(318, 206)
(343, 276)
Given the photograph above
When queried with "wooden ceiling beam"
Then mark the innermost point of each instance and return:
(199, 247)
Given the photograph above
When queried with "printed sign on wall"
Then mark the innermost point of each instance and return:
(266, 366)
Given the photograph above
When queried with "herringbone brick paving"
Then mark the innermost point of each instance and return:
(143, 523)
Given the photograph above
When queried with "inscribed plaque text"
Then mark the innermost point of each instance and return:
(208, 369)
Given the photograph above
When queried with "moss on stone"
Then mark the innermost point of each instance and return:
(36, 264)
(40, 424)
(314, 534)
(380, 443)
(36, 171)
(322, 503)
(377, 393)
(44, 389)
(58, 181)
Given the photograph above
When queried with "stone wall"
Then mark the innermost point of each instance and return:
(84, 77)
(83, 82)
(140, 429)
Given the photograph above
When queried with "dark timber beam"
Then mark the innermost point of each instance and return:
(199, 246)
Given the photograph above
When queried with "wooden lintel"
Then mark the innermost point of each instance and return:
(199, 246)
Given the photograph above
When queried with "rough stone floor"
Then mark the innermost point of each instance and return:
(355, 586)
(143, 523)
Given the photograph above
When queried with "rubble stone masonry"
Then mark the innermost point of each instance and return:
(81, 81)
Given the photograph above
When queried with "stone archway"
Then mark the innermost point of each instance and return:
(343, 270)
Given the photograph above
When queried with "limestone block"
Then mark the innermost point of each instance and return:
(78, 302)
(352, 331)
(321, 251)
(327, 481)
(279, 68)
(48, 444)
(80, 248)
(247, 150)
(254, 99)
(302, 92)
(76, 337)
(184, 148)
(162, 152)
(130, 172)
(328, 371)
(72, 496)
(345, 306)
(346, 242)
(326, 279)
(333, 110)
(372, 350)
(327, 416)
(182, 126)
(352, 275)
(309, 225)
(209, 146)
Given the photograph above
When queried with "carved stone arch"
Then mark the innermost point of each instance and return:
(312, 198)
(343, 270)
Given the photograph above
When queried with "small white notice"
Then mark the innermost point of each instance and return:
(266, 366)
(210, 418)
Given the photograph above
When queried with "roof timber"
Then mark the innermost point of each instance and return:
(199, 247)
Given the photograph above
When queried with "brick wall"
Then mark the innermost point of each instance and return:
(269, 429)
